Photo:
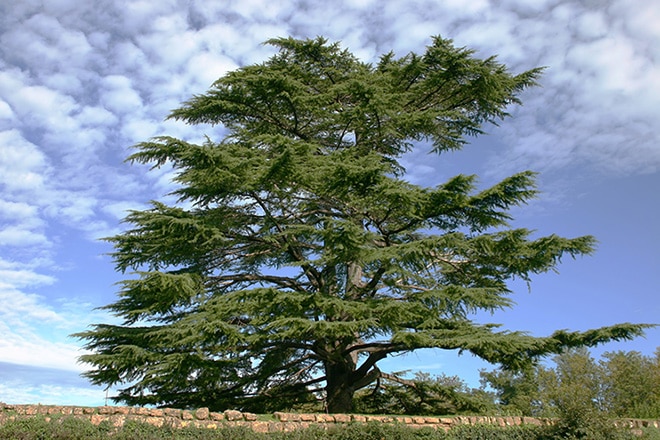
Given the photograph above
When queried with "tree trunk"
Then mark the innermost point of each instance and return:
(339, 389)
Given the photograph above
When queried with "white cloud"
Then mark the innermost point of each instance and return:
(137, 17)
(6, 115)
(22, 164)
(33, 332)
(19, 236)
(591, 25)
(119, 210)
(119, 96)
(96, 117)
(595, 107)
(36, 351)
(22, 309)
(206, 67)
(23, 212)
(43, 106)
(18, 275)
(42, 36)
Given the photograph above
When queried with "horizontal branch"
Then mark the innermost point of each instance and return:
(375, 347)
(397, 379)
(281, 281)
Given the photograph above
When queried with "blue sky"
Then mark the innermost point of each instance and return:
(82, 81)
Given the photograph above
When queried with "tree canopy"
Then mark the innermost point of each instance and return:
(299, 256)
(622, 384)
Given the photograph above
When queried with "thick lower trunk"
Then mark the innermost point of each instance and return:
(339, 389)
(343, 379)
(340, 400)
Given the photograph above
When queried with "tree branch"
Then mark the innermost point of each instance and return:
(397, 379)
(284, 282)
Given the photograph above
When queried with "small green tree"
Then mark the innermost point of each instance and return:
(300, 257)
(577, 385)
(575, 391)
(631, 383)
(519, 392)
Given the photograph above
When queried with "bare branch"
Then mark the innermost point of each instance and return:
(281, 281)
(397, 379)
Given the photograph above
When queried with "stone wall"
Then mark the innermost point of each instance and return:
(118, 415)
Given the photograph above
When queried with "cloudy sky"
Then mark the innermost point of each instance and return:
(82, 81)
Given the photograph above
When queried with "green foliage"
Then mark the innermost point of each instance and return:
(371, 431)
(299, 256)
(488, 432)
(24, 429)
(574, 393)
(424, 395)
(518, 392)
(631, 384)
(64, 428)
(620, 385)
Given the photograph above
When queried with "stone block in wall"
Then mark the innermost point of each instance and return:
(358, 418)
(290, 426)
(175, 422)
(187, 415)
(172, 412)
(249, 417)
(307, 417)
(342, 418)
(139, 411)
(202, 413)
(287, 417)
(381, 419)
(325, 418)
(154, 412)
(155, 421)
(215, 416)
(233, 415)
(261, 427)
